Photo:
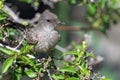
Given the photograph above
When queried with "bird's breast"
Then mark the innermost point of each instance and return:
(47, 41)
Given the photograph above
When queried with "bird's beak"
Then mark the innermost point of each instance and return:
(61, 22)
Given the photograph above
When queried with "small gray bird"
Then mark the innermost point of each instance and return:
(43, 35)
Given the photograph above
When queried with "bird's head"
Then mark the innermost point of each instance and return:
(50, 17)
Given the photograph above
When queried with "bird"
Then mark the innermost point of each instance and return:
(43, 35)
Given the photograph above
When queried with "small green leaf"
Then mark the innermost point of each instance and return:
(26, 49)
(71, 52)
(7, 51)
(103, 3)
(106, 79)
(91, 8)
(27, 1)
(3, 14)
(30, 73)
(73, 78)
(25, 59)
(32, 62)
(18, 76)
(90, 55)
(7, 64)
(73, 1)
(1, 4)
(84, 71)
(18, 70)
(68, 69)
(58, 76)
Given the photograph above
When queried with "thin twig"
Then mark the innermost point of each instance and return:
(20, 42)
(37, 17)
(49, 74)
(73, 28)
(61, 48)
(14, 49)
(8, 47)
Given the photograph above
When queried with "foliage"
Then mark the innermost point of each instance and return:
(2, 11)
(1, 4)
(100, 13)
(23, 62)
(34, 2)
(78, 68)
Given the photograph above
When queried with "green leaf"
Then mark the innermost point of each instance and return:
(84, 71)
(25, 59)
(58, 76)
(18, 76)
(73, 78)
(73, 1)
(3, 15)
(91, 8)
(7, 64)
(106, 79)
(18, 70)
(1, 4)
(68, 69)
(26, 49)
(71, 52)
(7, 51)
(90, 55)
(30, 73)
(27, 1)
(103, 3)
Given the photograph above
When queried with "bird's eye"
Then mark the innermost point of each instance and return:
(48, 20)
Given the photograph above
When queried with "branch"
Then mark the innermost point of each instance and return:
(50, 77)
(61, 48)
(20, 20)
(14, 49)
(8, 47)
(72, 28)
(20, 42)
(37, 17)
